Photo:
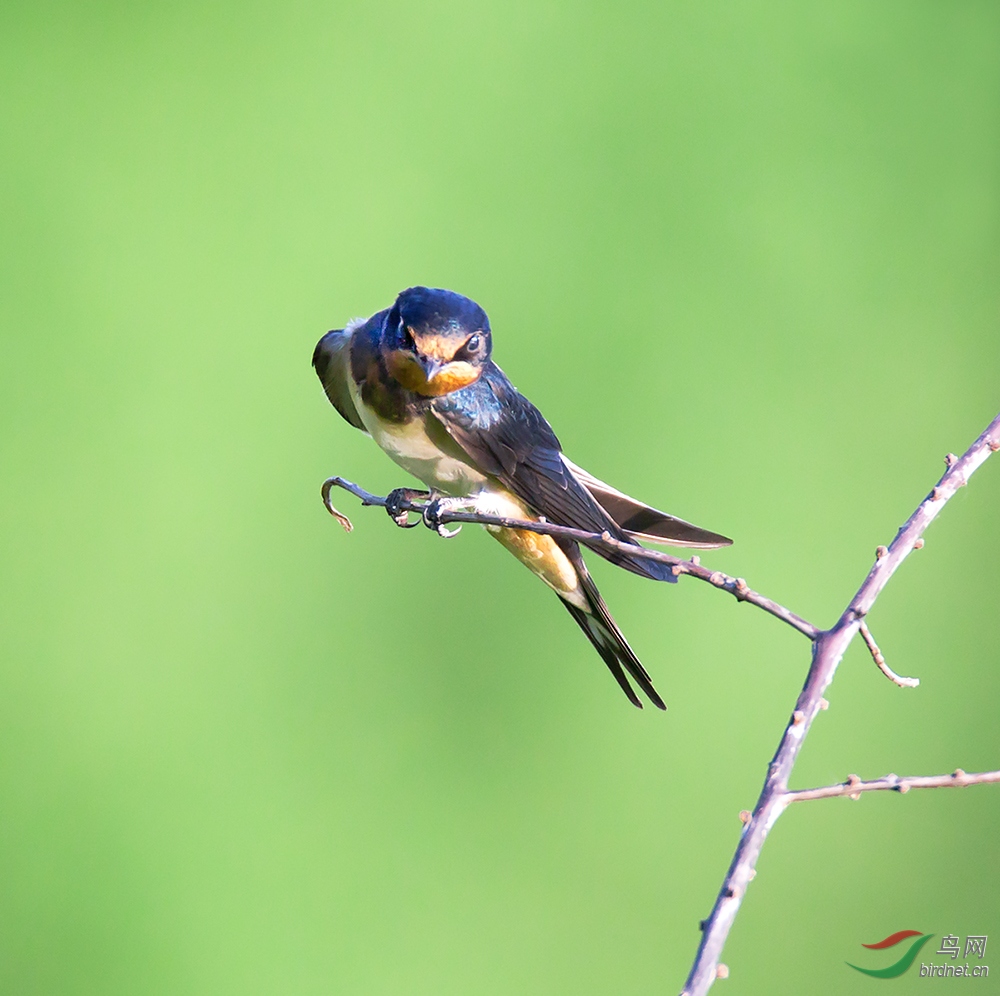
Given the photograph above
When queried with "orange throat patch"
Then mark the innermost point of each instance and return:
(406, 370)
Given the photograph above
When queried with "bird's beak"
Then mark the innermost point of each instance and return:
(430, 366)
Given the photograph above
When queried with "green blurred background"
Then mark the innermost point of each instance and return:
(745, 259)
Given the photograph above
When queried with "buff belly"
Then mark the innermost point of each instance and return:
(411, 446)
(447, 473)
(540, 554)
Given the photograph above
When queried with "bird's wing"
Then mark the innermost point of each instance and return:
(642, 521)
(508, 438)
(332, 360)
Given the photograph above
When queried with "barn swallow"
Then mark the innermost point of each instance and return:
(419, 378)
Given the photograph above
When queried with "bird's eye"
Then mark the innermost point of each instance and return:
(474, 343)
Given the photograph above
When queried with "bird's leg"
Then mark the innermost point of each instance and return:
(395, 501)
(441, 503)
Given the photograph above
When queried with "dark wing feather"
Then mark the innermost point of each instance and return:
(508, 437)
(642, 521)
(332, 360)
(607, 638)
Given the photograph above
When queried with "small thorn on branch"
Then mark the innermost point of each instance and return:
(854, 786)
(828, 649)
(880, 663)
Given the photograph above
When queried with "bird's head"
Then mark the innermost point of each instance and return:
(436, 341)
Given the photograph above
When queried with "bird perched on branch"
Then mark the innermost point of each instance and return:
(418, 377)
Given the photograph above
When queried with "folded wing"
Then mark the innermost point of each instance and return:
(642, 521)
(332, 360)
(508, 438)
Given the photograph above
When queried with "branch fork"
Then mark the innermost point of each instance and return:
(828, 647)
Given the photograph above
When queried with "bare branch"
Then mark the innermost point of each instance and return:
(854, 786)
(328, 486)
(737, 587)
(828, 650)
(866, 635)
(828, 647)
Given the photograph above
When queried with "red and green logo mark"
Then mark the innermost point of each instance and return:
(898, 968)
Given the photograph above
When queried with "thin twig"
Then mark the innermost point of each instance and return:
(866, 635)
(854, 786)
(828, 650)
(737, 587)
(828, 647)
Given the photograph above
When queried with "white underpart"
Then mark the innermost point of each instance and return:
(501, 503)
(410, 446)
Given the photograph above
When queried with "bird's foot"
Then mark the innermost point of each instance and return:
(435, 507)
(396, 502)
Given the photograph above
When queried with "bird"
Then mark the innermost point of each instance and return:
(420, 379)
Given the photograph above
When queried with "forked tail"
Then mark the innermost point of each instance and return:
(607, 638)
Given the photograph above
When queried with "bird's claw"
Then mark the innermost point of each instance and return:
(395, 503)
(432, 518)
